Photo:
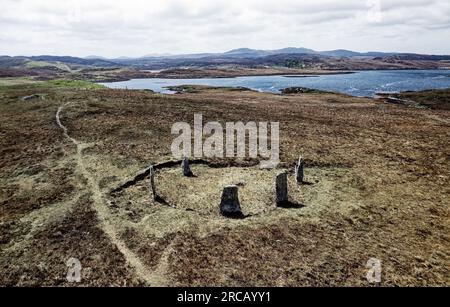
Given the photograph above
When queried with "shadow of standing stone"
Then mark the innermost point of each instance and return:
(152, 183)
(229, 205)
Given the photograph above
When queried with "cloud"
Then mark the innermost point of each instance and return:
(138, 27)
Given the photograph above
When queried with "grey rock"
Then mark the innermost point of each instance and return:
(185, 167)
(300, 170)
(229, 205)
(31, 97)
(282, 188)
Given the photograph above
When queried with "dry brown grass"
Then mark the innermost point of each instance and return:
(379, 178)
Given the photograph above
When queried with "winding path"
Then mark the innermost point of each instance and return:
(99, 204)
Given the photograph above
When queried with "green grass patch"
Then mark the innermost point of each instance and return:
(28, 83)
(76, 84)
(42, 64)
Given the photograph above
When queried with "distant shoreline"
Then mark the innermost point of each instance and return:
(225, 74)
(365, 85)
(218, 74)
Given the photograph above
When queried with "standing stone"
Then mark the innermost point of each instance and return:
(229, 205)
(185, 167)
(152, 183)
(282, 188)
(300, 170)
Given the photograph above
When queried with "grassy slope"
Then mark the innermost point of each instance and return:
(434, 99)
(10, 84)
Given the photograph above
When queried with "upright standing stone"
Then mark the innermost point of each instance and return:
(185, 167)
(152, 183)
(282, 188)
(300, 170)
(229, 205)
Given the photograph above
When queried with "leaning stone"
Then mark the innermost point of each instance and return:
(185, 167)
(282, 188)
(300, 170)
(229, 205)
(152, 183)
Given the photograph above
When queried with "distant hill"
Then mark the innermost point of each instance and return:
(245, 52)
(290, 57)
(255, 53)
(74, 60)
(95, 57)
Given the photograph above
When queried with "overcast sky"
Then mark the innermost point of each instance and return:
(140, 27)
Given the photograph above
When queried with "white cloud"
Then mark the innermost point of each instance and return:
(138, 27)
